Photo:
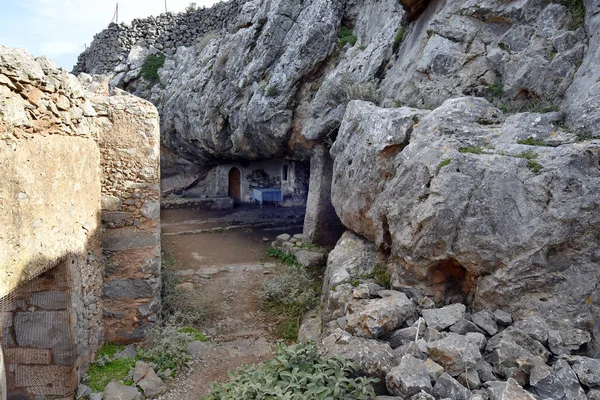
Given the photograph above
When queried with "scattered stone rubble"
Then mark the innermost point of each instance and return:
(306, 255)
(420, 352)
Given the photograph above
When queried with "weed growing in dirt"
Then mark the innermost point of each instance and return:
(165, 347)
(182, 308)
(107, 368)
(290, 294)
(296, 372)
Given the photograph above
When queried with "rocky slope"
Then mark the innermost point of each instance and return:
(465, 135)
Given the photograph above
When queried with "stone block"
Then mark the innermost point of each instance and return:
(130, 289)
(116, 217)
(128, 238)
(151, 209)
(27, 356)
(110, 203)
(311, 259)
(53, 300)
(51, 380)
(43, 329)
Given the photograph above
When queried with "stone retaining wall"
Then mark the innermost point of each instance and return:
(165, 33)
(53, 128)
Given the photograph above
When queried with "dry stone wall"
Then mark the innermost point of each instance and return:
(60, 138)
(165, 33)
(131, 217)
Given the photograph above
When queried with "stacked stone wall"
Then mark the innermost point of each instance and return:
(165, 33)
(61, 140)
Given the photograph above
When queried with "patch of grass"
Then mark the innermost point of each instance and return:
(345, 36)
(196, 334)
(472, 150)
(528, 155)
(152, 64)
(295, 372)
(179, 307)
(534, 166)
(530, 141)
(398, 103)
(496, 89)
(286, 259)
(271, 91)
(597, 234)
(363, 47)
(289, 295)
(441, 165)
(106, 368)
(399, 38)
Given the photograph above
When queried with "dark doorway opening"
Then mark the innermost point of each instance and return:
(235, 185)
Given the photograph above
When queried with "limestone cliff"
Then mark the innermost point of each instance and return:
(470, 159)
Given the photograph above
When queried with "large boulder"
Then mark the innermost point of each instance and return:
(479, 207)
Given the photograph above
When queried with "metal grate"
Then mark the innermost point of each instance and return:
(38, 351)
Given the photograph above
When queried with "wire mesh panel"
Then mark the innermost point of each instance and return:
(36, 338)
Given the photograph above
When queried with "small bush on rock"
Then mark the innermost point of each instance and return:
(345, 36)
(151, 65)
(296, 373)
(165, 347)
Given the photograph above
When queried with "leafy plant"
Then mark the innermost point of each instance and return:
(530, 141)
(271, 91)
(496, 89)
(152, 64)
(585, 135)
(165, 347)
(106, 368)
(529, 155)
(296, 372)
(345, 36)
(196, 335)
(290, 294)
(534, 166)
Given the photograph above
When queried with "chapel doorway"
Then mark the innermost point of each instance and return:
(235, 185)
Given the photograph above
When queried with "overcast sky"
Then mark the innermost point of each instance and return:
(61, 28)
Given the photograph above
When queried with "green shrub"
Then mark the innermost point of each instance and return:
(471, 149)
(295, 373)
(271, 91)
(529, 155)
(286, 259)
(196, 335)
(496, 89)
(345, 36)
(290, 295)
(534, 166)
(152, 64)
(106, 368)
(165, 347)
(399, 38)
(531, 142)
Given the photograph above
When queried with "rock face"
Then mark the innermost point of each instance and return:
(444, 215)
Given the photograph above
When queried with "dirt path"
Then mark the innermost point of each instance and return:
(225, 269)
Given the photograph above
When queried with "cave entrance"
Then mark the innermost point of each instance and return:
(39, 352)
(235, 185)
(450, 282)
